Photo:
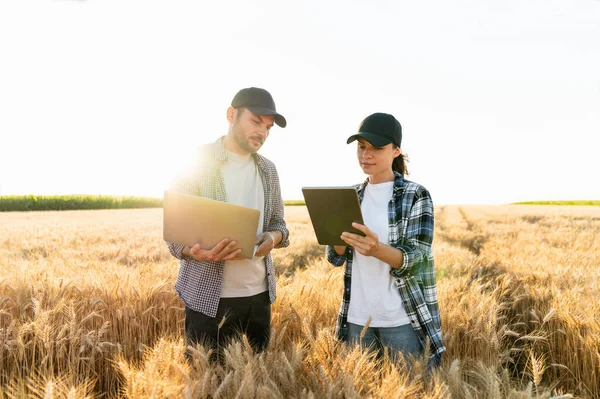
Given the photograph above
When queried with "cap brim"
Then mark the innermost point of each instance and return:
(373, 139)
(279, 119)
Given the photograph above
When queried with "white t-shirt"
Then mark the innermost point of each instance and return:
(243, 186)
(374, 293)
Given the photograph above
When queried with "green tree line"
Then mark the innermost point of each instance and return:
(24, 203)
(21, 203)
(575, 202)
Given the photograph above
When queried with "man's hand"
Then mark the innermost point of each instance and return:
(266, 242)
(220, 252)
(367, 246)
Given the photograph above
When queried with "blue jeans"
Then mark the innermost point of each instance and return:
(401, 340)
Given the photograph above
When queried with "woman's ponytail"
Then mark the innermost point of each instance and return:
(399, 165)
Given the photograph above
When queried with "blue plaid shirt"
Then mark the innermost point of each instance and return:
(410, 214)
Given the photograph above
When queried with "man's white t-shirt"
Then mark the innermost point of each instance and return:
(243, 186)
(374, 294)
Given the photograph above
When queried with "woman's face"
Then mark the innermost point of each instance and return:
(376, 161)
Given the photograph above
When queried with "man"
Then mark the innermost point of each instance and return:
(223, 293)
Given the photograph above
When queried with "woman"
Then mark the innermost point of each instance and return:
(389, 279)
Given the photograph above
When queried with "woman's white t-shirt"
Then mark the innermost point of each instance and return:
(374, 293)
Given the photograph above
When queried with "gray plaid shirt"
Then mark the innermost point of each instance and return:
(199, 284)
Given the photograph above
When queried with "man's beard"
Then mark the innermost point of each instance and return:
(242, 141)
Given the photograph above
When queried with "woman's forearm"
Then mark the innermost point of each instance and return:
(390, 255)
(340, 249)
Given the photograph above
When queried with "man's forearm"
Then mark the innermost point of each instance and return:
(277, 237)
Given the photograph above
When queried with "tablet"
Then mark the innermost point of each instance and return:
(332, 211)
(190, 219)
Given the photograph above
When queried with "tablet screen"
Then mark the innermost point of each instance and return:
(332, 211)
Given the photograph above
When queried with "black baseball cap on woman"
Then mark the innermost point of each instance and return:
(258, 101)
(379, 130)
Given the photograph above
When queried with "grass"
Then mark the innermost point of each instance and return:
(21, 203)
(575, 203)
(87, 309)
(24, 203)
(294, 202)
(78, 202)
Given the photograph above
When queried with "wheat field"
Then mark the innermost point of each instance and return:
(87, 309)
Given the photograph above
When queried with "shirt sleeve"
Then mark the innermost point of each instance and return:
(175, 249)
(277, 221)
(333, 258)
(416, 245)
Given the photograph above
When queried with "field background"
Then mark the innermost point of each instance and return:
(87, 308)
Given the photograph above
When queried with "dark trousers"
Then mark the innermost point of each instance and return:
(248, 315)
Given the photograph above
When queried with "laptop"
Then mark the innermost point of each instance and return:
(190, 219)
(332, 211)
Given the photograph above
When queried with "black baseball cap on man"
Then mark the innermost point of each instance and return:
(258, 101)
(379, 130)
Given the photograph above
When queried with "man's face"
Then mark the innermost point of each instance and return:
(250, 130)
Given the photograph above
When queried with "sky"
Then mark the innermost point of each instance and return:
(499, 101)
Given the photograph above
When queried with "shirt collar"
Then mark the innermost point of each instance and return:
(221, 154)
(398, 185)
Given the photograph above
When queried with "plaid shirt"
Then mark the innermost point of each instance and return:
(410, 214)
(199, 284)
